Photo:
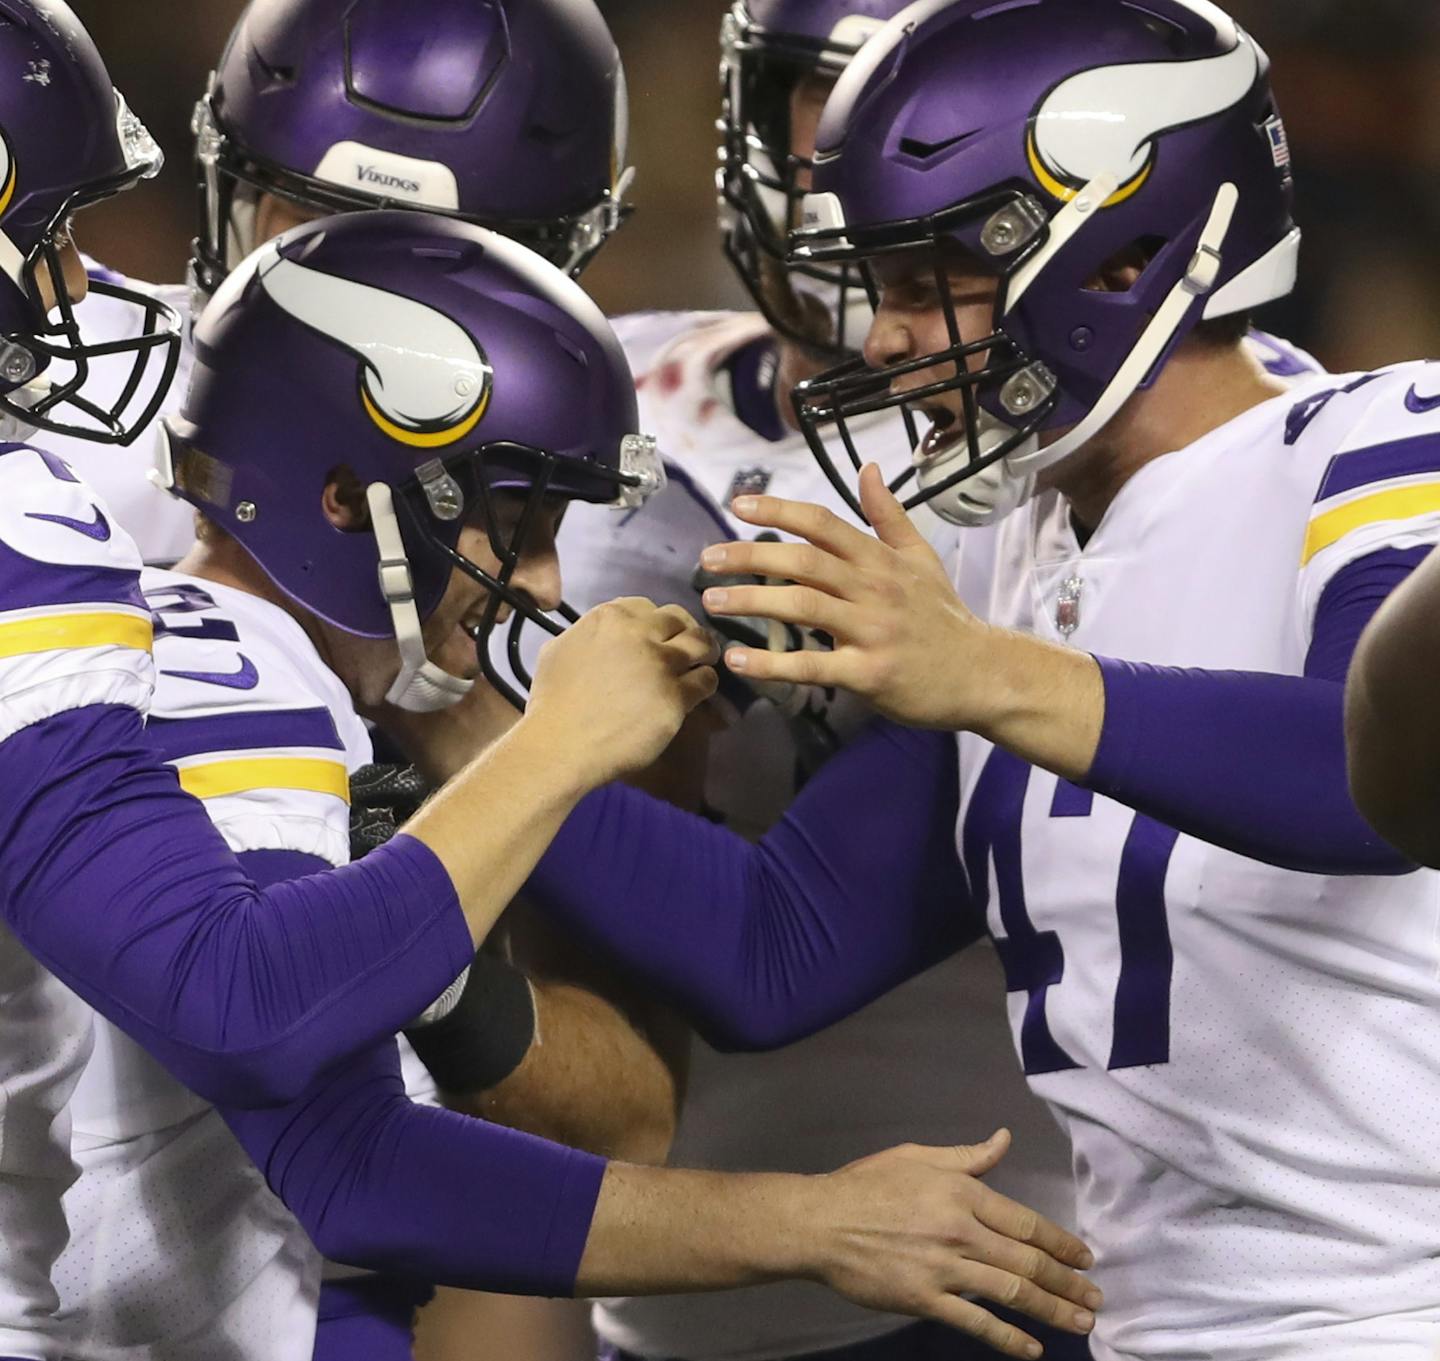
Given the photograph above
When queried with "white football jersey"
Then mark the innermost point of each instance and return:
(74, 632)
(162, 525)
(885, 1076)
(178, 1248)
(1247, 1058)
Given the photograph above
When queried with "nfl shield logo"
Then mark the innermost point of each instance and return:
(1067, 607)
(748, 482)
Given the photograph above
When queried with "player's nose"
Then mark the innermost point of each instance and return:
(889, 340)
(537, 575)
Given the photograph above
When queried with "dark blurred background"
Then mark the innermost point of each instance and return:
(1359, 85)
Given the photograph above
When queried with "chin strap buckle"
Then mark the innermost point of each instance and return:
(1204, 271)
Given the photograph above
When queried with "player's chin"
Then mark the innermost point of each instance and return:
(458, 656)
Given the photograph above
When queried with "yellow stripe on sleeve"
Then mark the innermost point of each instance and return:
(1399, 503)
(54, 632)
(219, 778)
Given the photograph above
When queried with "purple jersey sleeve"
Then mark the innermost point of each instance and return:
(1254, 763)
(380, 1182)
(858, 888)
(120, 885)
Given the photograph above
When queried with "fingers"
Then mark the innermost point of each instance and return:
(968, 1317)
(1015, 1221)
(670, 620)
(1036, 1267)
(697, 686)
(801, 563)
(1025, 1297)
(815, 524)
(887, 516)
(789, 604)
(694, 647)
(978, 1159)
(840, 668)
(636, 605)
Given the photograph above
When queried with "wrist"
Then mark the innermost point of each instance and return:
(1042, 702)
(555, 755)
(796, 1205)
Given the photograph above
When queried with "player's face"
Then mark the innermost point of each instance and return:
(449, 631)
(807, 103)
(910, 322)
(274, 215)
(805, 312)
(74, 280)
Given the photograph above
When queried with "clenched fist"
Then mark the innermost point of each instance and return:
(614, 688)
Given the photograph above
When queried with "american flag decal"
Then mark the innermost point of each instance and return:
(1279, 142)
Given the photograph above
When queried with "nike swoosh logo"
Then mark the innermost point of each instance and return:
(98, 528)
(1418, 405)
(246, 678)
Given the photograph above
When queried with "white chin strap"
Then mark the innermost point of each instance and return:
(421, 687)
(988, 496)
(1199, 280)
(991, 495)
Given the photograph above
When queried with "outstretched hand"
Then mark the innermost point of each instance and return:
(903, 639)
(922, 1232)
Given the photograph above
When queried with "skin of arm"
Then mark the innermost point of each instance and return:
(589, 1080)
(690, 1231)
(1392, 721)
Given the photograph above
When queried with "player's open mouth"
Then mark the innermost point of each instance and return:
(945, 432)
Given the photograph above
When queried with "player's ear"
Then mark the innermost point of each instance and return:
(1121, 271)
(343, 501)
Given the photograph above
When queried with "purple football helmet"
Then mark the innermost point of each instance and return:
(67, 140)
(767, 47)
(439, 362)
(509, 114)
(1040, 143)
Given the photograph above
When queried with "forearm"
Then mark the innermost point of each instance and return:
(1248, 761)
(119, 883)
(758, 945)
(382, 1183)
(1252, 763)
(589, 1080)
(1392, 719)
(1047, 702)
(490, 825)
(663, 1231)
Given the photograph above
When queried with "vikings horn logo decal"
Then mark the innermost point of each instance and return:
(423, 379)
(1109, 119)
(7, 174)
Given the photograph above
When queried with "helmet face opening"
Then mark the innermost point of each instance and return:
(230, 182)
(465, 488)
(59, 404)
(36, 204)
(1007, 397)
(762, 183)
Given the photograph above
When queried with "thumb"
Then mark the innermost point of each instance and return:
(982, 1158)
(887, 516)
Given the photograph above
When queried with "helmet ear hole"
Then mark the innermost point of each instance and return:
(1124, 270)
(343, 501)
